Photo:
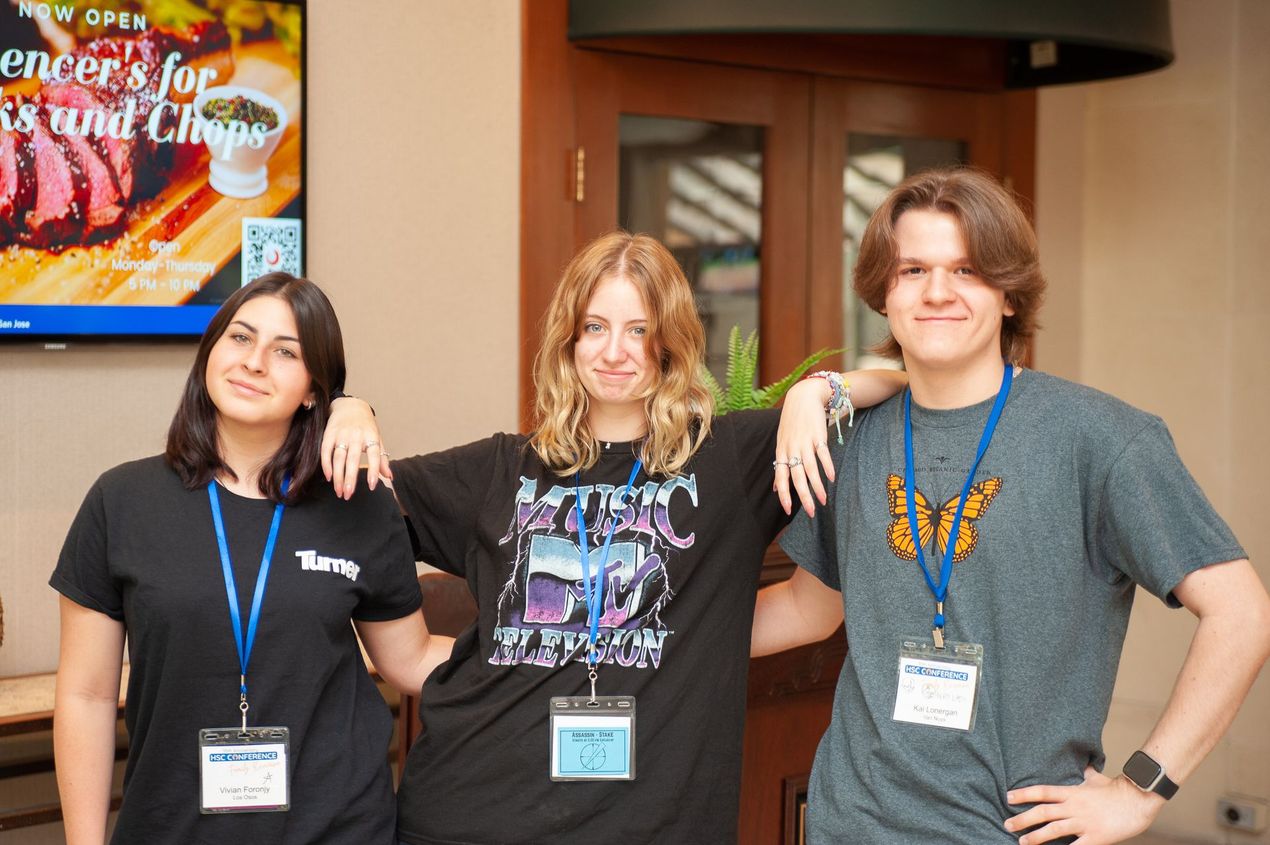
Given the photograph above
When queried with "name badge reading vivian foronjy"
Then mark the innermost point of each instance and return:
(244, 772)
(593, 738)
(938, 687)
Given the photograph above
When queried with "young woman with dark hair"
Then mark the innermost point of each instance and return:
(193, 450)
(242, 701)
(614, 552)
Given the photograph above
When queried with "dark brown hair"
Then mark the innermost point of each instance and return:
(999, 238)
(193, 452)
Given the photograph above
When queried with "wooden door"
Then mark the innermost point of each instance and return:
(611, 89)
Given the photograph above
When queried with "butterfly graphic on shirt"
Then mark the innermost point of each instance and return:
(936, 521)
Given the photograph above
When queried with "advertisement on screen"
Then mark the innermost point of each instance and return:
(151, 161)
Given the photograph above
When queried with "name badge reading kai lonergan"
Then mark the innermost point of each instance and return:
(244, 772)
(593, 739)
(938, 687)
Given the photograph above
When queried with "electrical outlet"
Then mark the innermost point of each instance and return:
(1239, 812)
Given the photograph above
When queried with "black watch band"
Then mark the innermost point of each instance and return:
(1148, 775)
(339, 394)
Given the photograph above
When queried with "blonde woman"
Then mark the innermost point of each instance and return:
(628, 474)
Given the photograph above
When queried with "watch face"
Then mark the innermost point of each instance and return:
(1142, 770)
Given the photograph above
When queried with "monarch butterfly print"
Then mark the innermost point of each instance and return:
(936, 521)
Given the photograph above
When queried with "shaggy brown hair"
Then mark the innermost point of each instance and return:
(999, 239)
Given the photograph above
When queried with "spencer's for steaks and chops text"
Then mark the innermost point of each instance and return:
(91, 70)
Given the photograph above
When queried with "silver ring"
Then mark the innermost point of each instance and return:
(779, 464)
(822, 444)
(371, 444)
(383, 454)
(341, 445)
(795, 462)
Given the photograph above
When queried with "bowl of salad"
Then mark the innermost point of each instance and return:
(241, 127)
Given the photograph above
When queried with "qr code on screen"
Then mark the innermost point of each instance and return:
(270, 244)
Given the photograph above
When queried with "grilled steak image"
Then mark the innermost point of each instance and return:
(68, 180)
(17, 176)
(61, 190)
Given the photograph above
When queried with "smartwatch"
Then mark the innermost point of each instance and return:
(1148, 775)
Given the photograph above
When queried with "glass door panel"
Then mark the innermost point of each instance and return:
(697, 186)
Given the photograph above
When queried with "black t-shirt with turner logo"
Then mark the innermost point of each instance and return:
(143, 550)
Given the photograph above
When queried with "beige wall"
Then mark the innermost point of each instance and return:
(1152, 205)
(414, 142)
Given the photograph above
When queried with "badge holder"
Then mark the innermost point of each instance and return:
(592, 738)
(938, 687)
(244, 770)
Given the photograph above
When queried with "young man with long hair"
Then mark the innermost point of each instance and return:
(988, 530)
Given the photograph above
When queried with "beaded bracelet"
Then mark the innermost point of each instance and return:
(840, 402)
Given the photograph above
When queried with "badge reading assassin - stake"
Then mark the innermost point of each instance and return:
(593, 738)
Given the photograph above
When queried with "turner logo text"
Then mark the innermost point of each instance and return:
(311, 561)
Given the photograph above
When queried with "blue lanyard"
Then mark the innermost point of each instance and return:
(595, 603)
(231, 590)
(940, 590)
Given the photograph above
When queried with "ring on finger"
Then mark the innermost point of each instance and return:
(795, 462)
(822, 444)
(780, 463)
(341, 445)
(371, 444)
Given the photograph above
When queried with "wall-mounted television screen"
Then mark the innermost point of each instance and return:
(151, 161)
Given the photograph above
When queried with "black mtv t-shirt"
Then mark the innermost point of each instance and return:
(143, 550)
(679, 599)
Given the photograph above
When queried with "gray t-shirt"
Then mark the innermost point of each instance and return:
(1079, 498)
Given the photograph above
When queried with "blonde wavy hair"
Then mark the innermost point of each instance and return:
(678, 406)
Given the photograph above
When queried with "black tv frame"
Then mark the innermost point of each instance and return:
(63, 340)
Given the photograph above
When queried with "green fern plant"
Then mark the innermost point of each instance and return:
(740, 393)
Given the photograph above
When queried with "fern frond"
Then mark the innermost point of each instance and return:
(739, 390)
(773, 393)
(730, 373)
(712, 384)
(742, 362)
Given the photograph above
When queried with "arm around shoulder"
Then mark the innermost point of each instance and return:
(802, 442)
(869, 387)
(444, 495)
(351, 430)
